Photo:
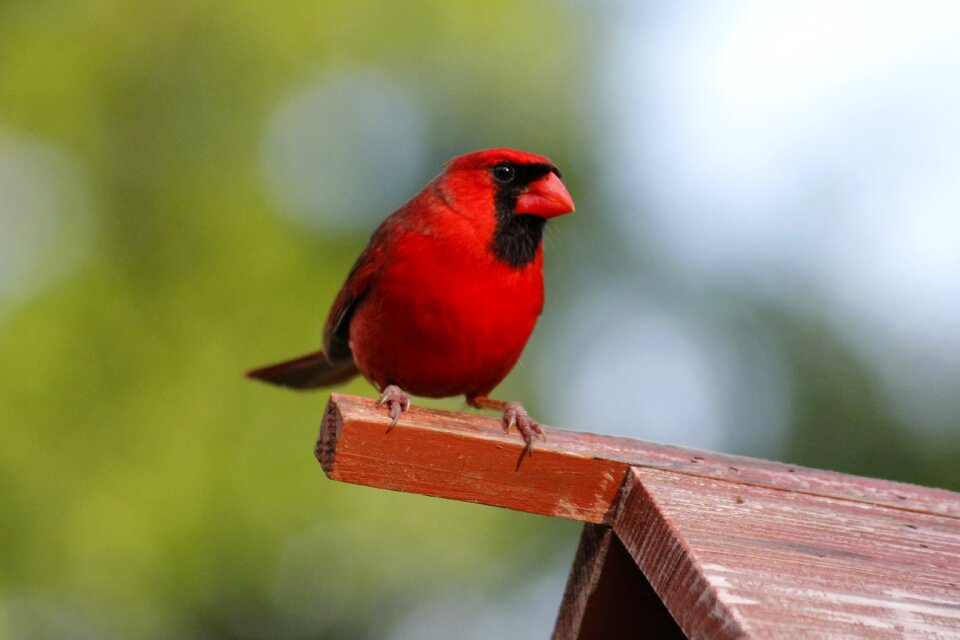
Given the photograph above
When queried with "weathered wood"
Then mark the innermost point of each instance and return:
(571, 475)
(734, 547)
(736, 561)
(463, 457)
(607, 597)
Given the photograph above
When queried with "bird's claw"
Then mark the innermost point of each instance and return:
(396, 400)
(514, 415)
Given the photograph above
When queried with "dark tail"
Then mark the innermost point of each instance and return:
(306, 372)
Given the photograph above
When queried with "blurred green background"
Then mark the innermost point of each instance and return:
(183, 187)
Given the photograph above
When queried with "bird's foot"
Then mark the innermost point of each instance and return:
(396, 400)
(515, 415)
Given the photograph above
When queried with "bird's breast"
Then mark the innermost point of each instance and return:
(445, 318)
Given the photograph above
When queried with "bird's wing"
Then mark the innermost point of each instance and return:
(336, 333)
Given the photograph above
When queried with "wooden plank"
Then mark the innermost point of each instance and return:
(736, 561)
(571, 475)
(607, 597)
(463, 457)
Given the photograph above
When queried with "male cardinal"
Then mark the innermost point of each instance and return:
(444, 298)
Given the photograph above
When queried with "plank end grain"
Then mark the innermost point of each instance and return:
(327, 440)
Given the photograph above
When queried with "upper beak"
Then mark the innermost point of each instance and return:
(546, 197)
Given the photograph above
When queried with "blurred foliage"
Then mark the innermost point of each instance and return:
(147, 489)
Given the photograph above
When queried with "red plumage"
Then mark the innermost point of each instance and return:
(445, 296)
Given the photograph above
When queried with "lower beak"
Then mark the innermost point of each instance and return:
(546, 197)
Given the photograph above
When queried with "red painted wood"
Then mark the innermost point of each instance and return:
(736, 561)
(463, 457)
(571, 475)
(607, 597)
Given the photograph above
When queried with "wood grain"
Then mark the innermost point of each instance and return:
(736, 561)
(607, 597)
(571, 475)
(463, 457)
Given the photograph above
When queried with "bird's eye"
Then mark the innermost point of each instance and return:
(503, 172)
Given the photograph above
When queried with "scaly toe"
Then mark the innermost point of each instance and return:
(509, 419)
(515, 415)
(396, 400)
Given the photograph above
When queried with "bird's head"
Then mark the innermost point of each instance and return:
(510, 194)
(515, 182)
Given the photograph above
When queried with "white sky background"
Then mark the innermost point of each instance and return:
(805, 152)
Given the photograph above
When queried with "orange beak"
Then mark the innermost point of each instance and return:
(547, 198)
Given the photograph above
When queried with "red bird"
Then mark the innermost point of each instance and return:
(444, 298)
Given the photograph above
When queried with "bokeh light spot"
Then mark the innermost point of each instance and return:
(45, 203)
(345, 150)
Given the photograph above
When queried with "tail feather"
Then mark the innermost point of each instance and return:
(306, 372)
